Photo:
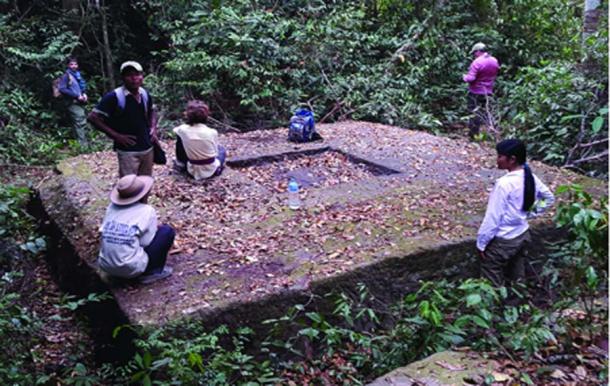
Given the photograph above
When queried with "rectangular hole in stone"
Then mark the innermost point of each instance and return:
(316, 168)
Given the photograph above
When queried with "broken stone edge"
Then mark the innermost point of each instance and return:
(388, 279)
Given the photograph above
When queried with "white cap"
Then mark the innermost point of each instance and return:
(135, 65)
(478, 47)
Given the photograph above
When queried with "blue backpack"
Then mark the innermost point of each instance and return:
(302, 126)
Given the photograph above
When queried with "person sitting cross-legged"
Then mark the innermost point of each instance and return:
(197, 149)
(133, 245)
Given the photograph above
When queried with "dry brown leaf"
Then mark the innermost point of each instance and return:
(450, 366)
(558, 374)
(581, 371)
(500, 377)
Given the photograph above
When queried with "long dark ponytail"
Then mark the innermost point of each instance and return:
(515, 147)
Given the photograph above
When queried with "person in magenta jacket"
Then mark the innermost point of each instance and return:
(480, 78)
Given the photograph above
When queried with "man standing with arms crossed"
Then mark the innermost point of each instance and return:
(127, 116)
(480, 78)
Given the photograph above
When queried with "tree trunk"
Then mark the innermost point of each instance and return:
(69, 5)
(591, 17)
(590, 24)
(107, 52)
(72, 9)
(585, 140)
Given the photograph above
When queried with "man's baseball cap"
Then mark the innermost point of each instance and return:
(478, 47)
(131, 64)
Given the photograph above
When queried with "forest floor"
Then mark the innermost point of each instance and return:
(62, 343)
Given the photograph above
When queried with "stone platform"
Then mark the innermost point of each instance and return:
(382, 205)
(446, 368)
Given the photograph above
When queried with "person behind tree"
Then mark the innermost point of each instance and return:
(126, 115)
(197, 148)
(480, 78)
(73, 89)
(133, 245)
(504, 234)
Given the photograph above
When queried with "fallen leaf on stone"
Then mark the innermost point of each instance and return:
(334, 255)
(54, 338)
(450, 366)
(500, 377)
(175, 251)
(558, 374)
(581, 371)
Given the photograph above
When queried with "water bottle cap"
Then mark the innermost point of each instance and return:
(293, 186)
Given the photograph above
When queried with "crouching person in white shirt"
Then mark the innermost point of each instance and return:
(197, 149)
(504, 234)
(133, 245)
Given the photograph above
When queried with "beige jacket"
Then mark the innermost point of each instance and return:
(200, 143)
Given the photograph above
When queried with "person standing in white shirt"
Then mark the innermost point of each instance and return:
(133, 245)
(504, 234)
(197, 148)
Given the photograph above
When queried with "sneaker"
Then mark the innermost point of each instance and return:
(218, 171)
(179, 166)
(153, 277)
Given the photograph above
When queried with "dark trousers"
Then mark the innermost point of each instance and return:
(158, 249)
(78, 116)
(222, 156)
(182, 157)
(477, 105)
(180, 152)
(505, 259)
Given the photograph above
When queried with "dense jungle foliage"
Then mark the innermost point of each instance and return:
(398, 62)
(393, 61)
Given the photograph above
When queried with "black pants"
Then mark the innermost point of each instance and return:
(477, 105)
(505, 259)
(158, 249)
(180, 152)
(182, 157)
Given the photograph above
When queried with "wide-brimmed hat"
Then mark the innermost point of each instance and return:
(130, 189)
(131, 64)
(478, 47)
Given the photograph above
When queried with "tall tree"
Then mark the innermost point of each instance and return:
(107, 52)
(591, 17)
(591, 144)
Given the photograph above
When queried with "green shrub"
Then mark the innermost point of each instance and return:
(191, 355)
(586, 220)
(29, 135)
(442, 315)
(544, 107)
(13, 217)
(18, 326)
(390, 61)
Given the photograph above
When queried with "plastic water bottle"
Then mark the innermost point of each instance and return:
(294, 201)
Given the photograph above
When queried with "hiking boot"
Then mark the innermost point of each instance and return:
(153, 277)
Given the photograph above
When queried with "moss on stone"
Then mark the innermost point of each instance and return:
(387, 242)
(442, 369)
